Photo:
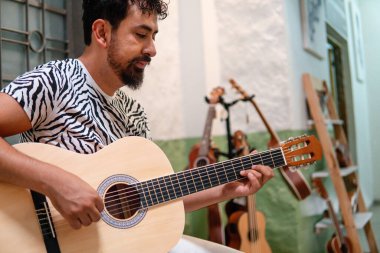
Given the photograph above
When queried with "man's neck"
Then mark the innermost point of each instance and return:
(101, 72)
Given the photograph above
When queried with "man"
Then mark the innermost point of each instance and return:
(77, 104)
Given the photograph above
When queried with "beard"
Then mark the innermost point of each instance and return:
(129, 74)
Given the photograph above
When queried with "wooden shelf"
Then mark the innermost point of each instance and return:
(360, 220)
(343, 172)
(340, 122)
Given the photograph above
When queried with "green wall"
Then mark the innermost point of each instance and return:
(287, 229)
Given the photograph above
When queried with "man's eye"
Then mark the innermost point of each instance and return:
(141, 35)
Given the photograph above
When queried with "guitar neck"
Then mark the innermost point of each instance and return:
(273, 134)
(335, 221)
(206, 138)
(163, 189)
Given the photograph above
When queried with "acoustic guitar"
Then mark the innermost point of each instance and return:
(295, 179)
(249, 235)
(202, 154)
(338, 242)
(143, 207)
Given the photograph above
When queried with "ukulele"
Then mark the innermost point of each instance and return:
(249, 224)
(338, 243)
(203, 154)
(142, 195)
(296, 181)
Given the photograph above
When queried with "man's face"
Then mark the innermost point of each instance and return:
(132, 46)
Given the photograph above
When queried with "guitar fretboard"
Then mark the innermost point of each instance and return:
(163, 189)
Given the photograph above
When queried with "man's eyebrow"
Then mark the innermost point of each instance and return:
(148, 28)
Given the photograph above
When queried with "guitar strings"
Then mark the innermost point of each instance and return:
(135, 208)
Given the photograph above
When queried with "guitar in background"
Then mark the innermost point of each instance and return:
(296, 181)
(338, 242)
(204, 153)
(246, 228)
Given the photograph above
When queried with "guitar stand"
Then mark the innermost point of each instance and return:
(231, 150)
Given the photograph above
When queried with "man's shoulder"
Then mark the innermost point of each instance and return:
(61, 65)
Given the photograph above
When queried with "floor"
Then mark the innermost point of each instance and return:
(375, 222)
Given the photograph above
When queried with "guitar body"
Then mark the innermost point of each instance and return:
(197, 160)
(158, 231)
(333, 246)
(244, 241)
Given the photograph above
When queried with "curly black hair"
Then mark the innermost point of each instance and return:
(114, 11)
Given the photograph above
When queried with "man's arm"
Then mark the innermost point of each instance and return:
(72, 197)
(255, 179)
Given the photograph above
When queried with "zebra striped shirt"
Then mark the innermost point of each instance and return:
(68, 109)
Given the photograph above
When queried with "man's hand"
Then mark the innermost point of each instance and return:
(255, 179)
(76, 201)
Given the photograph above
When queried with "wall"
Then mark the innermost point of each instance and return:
(362, 117)
(371, 36)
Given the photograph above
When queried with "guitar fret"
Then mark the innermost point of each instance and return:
(176, 185)
(222, 173)
(164, 189)
(280, 161)
(225, 173)
(143, 201)
(152, 192)
(172, 187)
(243, 166)
(234, 169)
(198, 181)
(261, 158)
(184, 187)
(193, 185)
(248, 161)
(211, 177)
(271, 157)
(205, 178)
(147, 193)
(231, 174)
(169, 186)
(157, 188)
(216, 173)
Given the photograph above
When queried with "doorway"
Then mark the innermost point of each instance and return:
(340, 84)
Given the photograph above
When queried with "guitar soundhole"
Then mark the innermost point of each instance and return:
(122, 201)
(202, 161)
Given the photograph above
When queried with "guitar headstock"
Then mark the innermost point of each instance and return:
(215, 95)
(236, 86)
(240, 142)
(301, 151)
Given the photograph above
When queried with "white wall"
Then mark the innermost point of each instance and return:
(253, 50)
(362, 119)
(371, 35)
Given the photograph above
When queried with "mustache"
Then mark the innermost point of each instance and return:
(145, 58)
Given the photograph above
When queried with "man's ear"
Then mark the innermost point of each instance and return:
(101, 31)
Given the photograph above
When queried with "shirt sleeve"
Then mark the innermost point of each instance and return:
(35, 91)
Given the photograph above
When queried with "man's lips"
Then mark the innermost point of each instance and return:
(141, 64)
